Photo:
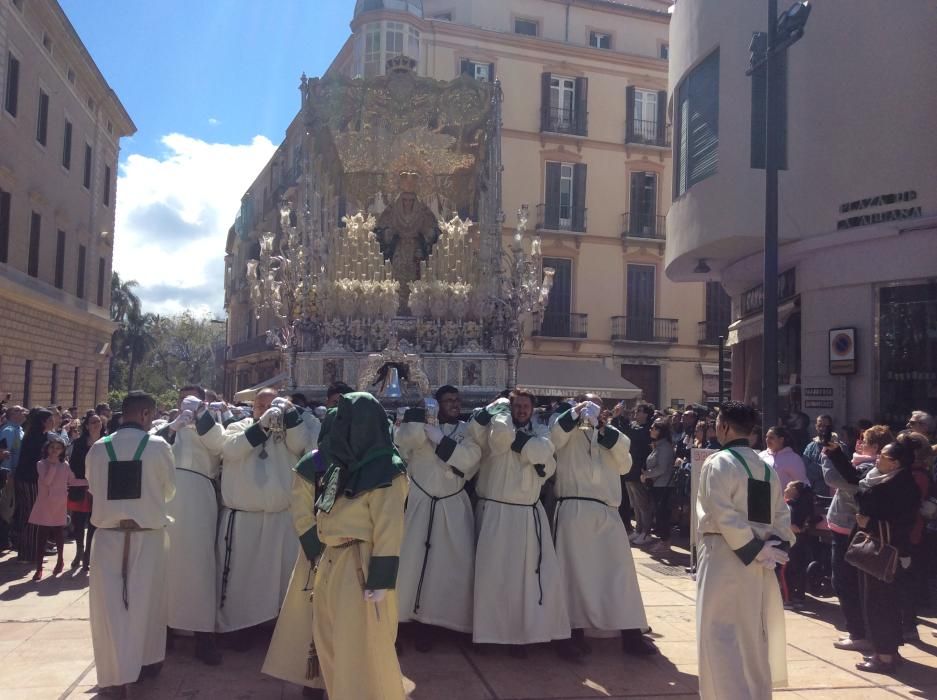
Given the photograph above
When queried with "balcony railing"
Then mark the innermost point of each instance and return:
(554, 325)
(560, 120)
(553, 217)
(644, 329)
(709, 332)
(638, 225)
(648, 133)
(250, 346)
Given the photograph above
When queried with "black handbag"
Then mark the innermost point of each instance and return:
(874, 556)
(77, 493)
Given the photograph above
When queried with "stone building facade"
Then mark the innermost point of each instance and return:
(60, 128)
(857, 289)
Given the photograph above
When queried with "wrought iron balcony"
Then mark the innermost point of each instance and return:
(249, 346)
(649, 133)
(555, 325)
(709, 332)
(553, 217)
(560, 120)
(646, 329)
(639, 225)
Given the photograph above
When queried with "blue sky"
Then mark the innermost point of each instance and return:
(211, 86)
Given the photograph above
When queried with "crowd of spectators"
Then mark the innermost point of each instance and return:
(865, 477)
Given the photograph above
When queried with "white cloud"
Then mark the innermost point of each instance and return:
(173, 215)
(213, 122)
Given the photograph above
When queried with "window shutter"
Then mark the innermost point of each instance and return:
(661, 117)
(545, 101)
(5, 199)
(551, 217)
(582, 106)
(629, 114)
(491, 72)
(579, 197)
(466, 68)
(703, 150)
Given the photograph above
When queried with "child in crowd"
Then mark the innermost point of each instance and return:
(49, 513)
(799, 498)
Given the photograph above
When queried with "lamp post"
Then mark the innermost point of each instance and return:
(224, 361)
(523, 292)
(782, 32)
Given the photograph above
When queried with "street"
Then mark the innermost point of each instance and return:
(45, 653)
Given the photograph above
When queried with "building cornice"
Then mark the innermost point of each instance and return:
(39, 295)
(619, 8)
(536, 43)
(124, 124)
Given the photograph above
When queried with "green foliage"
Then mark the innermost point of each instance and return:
(159, 354)
(115, 399)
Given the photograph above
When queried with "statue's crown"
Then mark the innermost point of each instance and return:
(400, 64)
(409, 180)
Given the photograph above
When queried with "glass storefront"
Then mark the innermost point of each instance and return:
(907, 351)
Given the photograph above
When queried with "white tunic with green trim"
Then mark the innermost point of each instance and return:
(256, 546)
(437, 557)
(518, 590)
(129, 613)
(739, 613)
(193, 594)
(599, 578)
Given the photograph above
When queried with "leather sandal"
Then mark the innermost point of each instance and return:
(876, 665)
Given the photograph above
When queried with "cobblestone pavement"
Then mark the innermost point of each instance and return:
(45, 654)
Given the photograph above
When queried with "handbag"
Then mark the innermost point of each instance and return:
(76, 494)
(876, 557)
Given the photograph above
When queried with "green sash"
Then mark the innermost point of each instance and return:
(136, 455)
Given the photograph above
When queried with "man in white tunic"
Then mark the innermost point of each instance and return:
(196, 440)
(132, 478)
(744, 528)
(518, 591)
(256, 545)
(599, 578)
(437, 557)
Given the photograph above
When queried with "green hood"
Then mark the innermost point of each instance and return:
(357, 443)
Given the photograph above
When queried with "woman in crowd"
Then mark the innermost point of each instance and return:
(914, 583)
(841, 519)
(788, 464)
(889, 501)
(79, 501)
(658, 473)
(38, 423)
(699, 434)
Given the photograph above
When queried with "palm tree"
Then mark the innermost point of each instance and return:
(134, 340)
(123, 299)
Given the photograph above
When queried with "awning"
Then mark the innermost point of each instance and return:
(249, 394)
(753, 326)
(565, 378)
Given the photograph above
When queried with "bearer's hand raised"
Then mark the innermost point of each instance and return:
(496, 403)
(191, 403)
(270, 415)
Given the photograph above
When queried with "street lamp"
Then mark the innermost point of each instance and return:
(782, 32)
(224, 361)
(524, 292)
